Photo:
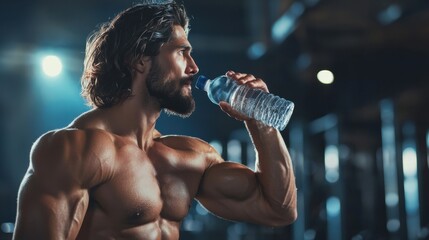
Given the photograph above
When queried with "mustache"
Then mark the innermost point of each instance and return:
(188, 80)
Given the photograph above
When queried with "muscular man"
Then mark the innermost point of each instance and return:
(111, 175)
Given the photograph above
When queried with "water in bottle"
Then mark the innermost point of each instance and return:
(254, 103)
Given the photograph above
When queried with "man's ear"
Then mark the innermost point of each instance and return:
(142, 65)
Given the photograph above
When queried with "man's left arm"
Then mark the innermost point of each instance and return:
(265, 196)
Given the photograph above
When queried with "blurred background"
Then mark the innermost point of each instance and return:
(357, 71)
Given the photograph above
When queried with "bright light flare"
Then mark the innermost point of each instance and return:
(325, 76)
(52, 66)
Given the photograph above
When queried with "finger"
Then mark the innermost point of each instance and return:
(253, 82)
(245, 78)
(235, 75)
(225, 106)
(229, 73)
(258, 84)
(241, 78)
(231, 112)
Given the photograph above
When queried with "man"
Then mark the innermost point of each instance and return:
(111, 175)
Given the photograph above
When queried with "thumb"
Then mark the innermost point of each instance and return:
(227, 108)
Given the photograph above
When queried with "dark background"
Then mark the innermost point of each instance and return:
(372, 121)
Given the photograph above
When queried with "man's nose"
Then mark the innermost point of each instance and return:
(192, 67)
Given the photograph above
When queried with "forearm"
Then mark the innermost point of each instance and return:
(273, 166)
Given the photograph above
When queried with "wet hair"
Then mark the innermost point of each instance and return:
(117, 45)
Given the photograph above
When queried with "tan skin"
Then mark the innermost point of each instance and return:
(111, 175)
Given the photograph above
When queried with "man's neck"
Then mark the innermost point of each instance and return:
(133, 120)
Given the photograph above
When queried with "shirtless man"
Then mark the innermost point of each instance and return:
(111, 175)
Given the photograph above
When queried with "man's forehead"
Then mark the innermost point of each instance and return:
(178, 37)
(178, 33)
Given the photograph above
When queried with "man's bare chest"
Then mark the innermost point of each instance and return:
(145, 186)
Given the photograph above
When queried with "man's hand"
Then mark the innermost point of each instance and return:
(242, 79)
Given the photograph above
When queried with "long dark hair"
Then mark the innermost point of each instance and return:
(113, 49)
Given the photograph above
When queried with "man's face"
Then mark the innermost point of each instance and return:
(174, 95)
(171, 74)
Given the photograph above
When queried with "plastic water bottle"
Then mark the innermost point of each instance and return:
(254, 103)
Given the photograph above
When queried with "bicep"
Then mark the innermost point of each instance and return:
(231, 191)
(229, 180)
(45, 211)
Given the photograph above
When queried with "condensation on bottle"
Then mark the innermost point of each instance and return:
(271, 110)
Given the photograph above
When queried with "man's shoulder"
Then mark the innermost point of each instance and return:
(194, 146)
(72, 140)
(72, 151)
(181, 142)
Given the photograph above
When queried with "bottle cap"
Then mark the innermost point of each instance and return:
(201, 82)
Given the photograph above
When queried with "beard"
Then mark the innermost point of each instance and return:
(169, 92)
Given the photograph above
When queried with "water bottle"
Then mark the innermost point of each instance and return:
(254, 103)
